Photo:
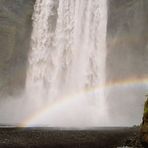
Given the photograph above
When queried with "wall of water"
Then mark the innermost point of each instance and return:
(68, 53)
(126, 59)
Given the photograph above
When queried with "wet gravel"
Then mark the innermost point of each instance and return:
(68, 138)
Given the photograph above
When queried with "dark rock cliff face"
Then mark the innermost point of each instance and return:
(127, 58)
(127, 39)
(15, 30)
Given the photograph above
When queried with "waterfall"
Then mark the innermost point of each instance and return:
(68, 53)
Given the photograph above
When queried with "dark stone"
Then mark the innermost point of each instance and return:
(144, 126)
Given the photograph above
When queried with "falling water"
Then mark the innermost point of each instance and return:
(68, 52)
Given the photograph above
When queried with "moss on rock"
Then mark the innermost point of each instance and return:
(144, 126)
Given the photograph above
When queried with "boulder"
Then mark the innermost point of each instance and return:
(144, 126)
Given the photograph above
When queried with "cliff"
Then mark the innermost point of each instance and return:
(15, 30)
(127, 60)
(127, 39)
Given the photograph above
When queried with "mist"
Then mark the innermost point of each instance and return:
(127, 60)
(126, 74)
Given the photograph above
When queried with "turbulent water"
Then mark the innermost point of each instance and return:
(67, 56)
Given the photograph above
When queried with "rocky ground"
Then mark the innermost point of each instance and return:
(63, 138)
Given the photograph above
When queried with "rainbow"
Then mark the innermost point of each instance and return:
(130, 82)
